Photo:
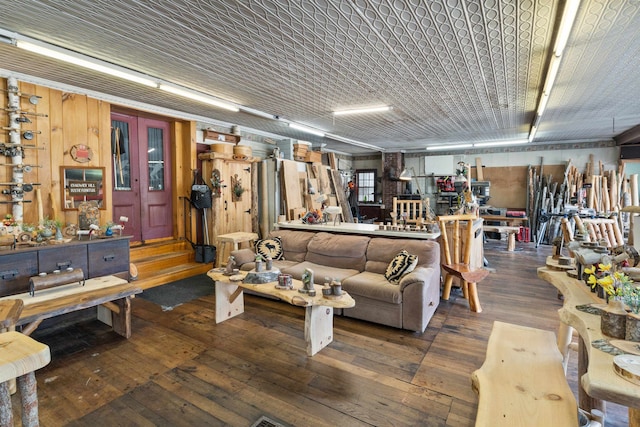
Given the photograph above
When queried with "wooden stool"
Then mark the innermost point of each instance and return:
(235, 238)
(20, 357)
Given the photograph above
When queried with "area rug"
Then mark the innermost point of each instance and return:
(179, 292)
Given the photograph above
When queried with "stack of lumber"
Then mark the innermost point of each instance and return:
(302, 191)
(606, 192)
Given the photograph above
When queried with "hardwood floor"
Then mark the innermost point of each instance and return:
(181, 369)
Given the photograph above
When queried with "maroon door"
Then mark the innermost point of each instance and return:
(141, 175)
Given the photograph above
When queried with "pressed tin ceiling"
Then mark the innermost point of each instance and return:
(453, 71)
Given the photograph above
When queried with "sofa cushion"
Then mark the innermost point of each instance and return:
(270, 248)
(294, 243)
(320, 272)
(400, 265)
(374, 286)
(338, 250)
(381, 251)
(243, 256)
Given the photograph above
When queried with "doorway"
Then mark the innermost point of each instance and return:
(141, 162)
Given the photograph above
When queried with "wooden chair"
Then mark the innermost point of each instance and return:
(412, 208)
(456, 264)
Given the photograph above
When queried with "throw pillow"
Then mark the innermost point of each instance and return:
(400, 265)
(270, 248)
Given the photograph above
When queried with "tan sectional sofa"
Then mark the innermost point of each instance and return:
(360, 262)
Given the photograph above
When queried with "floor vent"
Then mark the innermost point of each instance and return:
(266, 422)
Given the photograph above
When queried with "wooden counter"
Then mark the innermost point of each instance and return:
(598, 380)
(357, 228)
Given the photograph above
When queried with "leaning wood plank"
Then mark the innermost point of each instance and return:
(522, 382)
(291, 181)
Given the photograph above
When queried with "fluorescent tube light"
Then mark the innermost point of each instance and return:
(499, 143)
(362, 110)
(354, 142)
(258, 113)
(551, 75)
(86, 62)
(196, 96)
(448, 147)
(532, 133)
(306, 129)
(542, 105)
(566, 23)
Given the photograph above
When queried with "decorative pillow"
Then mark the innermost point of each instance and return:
(270, 248)
(400, 265)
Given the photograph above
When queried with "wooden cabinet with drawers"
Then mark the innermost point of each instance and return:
(96, 258)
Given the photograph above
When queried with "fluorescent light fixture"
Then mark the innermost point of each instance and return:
(551, 75)
(499, 143)
(566, 23)
(543, 104)
(258, 113)
(405, 175)
(197, 96)
(354, 142)
(448, 147)
(306, 129)
(86, 62)
(379, 109)
(532, 133)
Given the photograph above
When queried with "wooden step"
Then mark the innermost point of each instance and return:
(141, 252)
(164, 262)
(170, 274)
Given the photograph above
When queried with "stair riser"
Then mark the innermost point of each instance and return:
(142, 252)
(150, 266)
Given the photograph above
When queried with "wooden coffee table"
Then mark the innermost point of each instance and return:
(318, 321)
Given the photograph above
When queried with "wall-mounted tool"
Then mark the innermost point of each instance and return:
(27, 134)
(21, 167)
(33, 99)
(26, 187)
(30, 113)
(7, 202)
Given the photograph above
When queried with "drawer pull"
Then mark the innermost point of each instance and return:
(10, 274)
(109, 257)
(63, 265)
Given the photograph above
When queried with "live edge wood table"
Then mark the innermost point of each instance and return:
(598, 381)
(111, 294)
(318, 321)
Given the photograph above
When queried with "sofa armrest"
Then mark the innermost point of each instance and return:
(419, 275)
(243, 256)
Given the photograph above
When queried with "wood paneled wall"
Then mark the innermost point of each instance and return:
(78, 119)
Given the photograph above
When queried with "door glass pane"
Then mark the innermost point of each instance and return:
(120, 152)
(155, 159)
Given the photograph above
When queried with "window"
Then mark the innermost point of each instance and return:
(366, 185)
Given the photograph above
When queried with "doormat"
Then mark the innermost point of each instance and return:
(266, 422)
(176, 293)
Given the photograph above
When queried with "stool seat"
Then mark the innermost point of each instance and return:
(20, 354)
(235, 239)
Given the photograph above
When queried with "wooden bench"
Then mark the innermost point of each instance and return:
(522, 381)
(111, 294)
(511, 233)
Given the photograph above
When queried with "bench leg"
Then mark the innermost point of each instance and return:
(29, 397)
(122, 317)
(565, 334)
(511, 245)
(6, 413)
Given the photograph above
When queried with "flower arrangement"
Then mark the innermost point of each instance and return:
(612, 282)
